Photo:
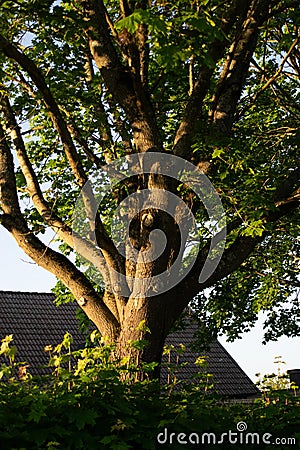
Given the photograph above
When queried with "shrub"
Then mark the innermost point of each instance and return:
(86, 402)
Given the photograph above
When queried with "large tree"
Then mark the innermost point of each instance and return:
(85, 83)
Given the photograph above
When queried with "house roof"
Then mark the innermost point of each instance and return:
(229, 379)
(35, 321)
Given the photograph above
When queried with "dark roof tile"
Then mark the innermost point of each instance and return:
(228, 378)
(35, 321)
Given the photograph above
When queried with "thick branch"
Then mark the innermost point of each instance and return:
(193, 108)
(126, 89)
(231, 82)
(59, 265)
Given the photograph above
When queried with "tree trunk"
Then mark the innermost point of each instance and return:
(142, 335)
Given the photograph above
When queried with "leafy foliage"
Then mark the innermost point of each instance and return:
(91, 405)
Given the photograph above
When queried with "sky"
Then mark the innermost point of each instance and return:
(19, 273)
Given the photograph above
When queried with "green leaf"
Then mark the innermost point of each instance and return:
(217, 153)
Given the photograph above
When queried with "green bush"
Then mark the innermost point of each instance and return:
(89, 401)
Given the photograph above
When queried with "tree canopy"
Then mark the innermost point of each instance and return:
(87, 83)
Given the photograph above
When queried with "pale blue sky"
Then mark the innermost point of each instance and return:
(19, 273)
